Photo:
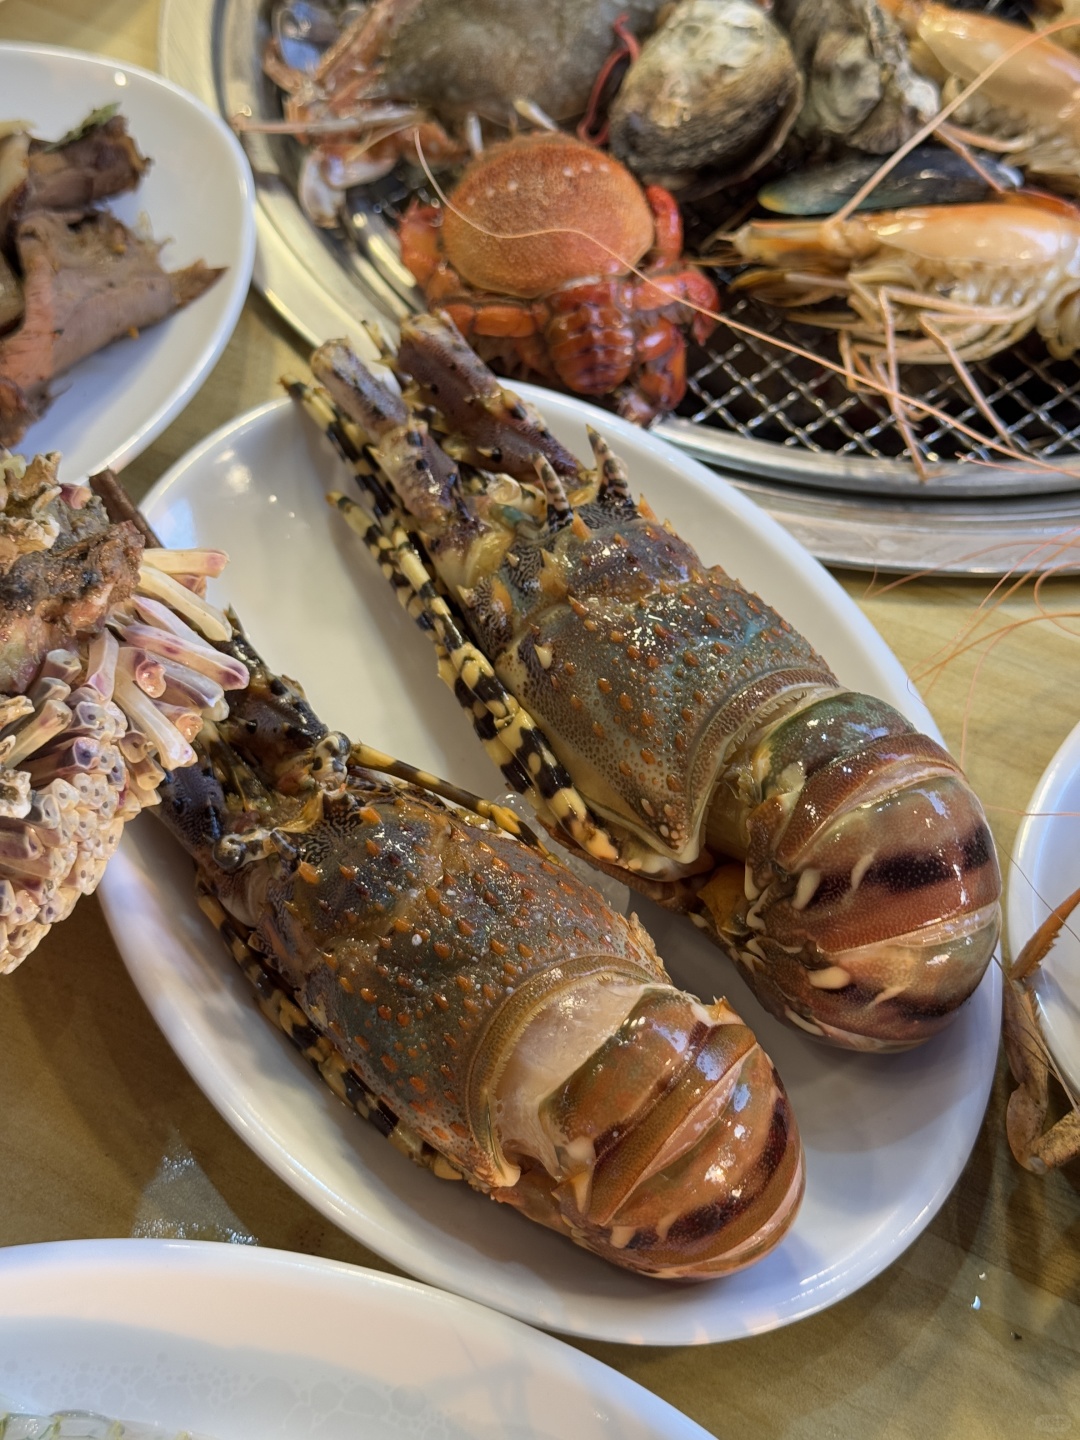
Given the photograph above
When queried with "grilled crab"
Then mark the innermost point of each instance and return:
(535, 258)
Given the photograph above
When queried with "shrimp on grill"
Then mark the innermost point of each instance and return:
(1024, 101)
(927, 285)
(930, 284)
(666, 723)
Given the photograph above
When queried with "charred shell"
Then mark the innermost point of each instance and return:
(861, 88)
(455, 56)
(717, 84)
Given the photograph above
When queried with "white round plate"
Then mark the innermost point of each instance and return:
(197, 197)
(1044, 872)
(233, 1342)
(886, 1137)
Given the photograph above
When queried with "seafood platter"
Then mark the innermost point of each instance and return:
(121, 284)
(838, 256)
(495, 1017)
(568, 909)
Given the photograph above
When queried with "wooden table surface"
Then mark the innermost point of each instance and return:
(102, 1133)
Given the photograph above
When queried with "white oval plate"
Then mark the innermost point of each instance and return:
(197, 196)
(233, 1342)
(886, 1137)
(1044, 872)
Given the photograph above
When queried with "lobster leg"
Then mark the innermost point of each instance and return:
(506, 729)
(278, 1003)
(499, 815)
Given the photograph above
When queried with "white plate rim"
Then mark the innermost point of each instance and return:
(237, 284)
(82, 1265)
(200, 1061)
(1026, 905)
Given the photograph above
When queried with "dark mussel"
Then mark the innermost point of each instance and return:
(304, 31)
(929, 175)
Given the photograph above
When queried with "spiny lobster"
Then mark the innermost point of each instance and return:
(478, 999)
(472, 997)
(665, 723)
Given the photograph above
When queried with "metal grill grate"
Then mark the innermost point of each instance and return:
(763, 392)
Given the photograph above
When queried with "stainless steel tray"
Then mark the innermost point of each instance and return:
(827, 470)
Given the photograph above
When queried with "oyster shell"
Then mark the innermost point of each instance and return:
(861, 88)
(717, 84)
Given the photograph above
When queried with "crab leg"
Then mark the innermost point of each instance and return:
(1027, 1054)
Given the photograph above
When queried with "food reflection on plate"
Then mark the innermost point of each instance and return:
(78, 1425)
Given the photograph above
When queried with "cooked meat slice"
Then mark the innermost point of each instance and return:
(17, 413)
(11, 297)
(104, 161)
(86, 282)
(49, 596)
(14, 168)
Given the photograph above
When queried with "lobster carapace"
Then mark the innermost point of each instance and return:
(477, 1001)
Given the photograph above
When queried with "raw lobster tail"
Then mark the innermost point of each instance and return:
(868, 906)
(103, 681)
(661, 718)
(483, 1005)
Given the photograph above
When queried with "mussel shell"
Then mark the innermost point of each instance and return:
(929, 175)
(304, 31)
(716, 85)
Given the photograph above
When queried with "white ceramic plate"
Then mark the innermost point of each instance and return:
(886, 1137)
(232, 1342)
(197, 196)
(1045, 870)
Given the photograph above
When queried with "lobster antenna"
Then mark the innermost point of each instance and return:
(505, 728)
(613, 477)
(559, 511)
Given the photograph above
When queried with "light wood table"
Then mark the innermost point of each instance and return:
(102, 1133)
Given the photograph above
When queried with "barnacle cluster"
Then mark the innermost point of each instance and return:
(107, 670)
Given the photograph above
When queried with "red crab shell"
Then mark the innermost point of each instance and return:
(546, 183)
(551, 258)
